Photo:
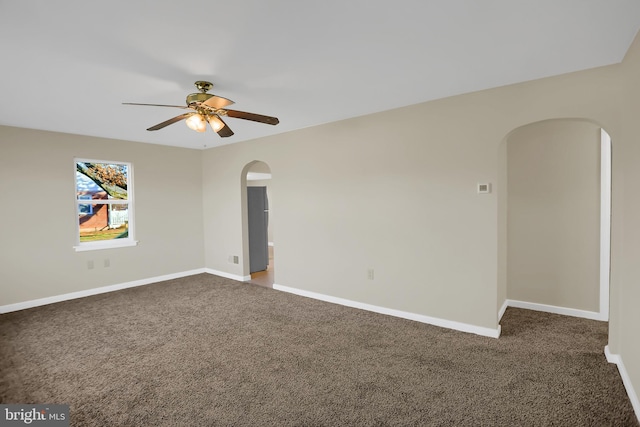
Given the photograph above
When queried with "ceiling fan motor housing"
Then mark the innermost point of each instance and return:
(197, 98)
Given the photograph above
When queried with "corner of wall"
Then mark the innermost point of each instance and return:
(626, 380)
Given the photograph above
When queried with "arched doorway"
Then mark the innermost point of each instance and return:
(258, 246)
(554, 218)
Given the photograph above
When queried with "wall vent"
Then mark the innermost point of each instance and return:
(484, 188)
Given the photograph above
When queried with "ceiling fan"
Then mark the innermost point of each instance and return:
(207, 107)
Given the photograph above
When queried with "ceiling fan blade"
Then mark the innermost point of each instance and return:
(217, 102)
(253, 117)
(155, 105)
(223, 129)
(170, 121)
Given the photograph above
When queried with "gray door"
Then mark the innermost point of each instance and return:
(258, 208)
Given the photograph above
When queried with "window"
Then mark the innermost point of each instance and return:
(104, 204)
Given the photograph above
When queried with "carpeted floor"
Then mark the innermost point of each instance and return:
(208, 351)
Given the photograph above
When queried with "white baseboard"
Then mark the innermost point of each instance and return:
(557, 310)
(227, 275)
(503, 309)
(458, 326)
(95, 291)
(633, 397)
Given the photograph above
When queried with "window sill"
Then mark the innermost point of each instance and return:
(109, 244)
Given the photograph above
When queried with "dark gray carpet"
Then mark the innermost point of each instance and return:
(204, 350)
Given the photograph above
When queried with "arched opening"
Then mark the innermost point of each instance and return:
(257, 240)
(554, 218)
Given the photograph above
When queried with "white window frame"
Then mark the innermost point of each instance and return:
(105, 244)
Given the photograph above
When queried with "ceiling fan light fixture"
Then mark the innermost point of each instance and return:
(196, 122)
(215, 122)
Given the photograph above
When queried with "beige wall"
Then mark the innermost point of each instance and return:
(37, 182)
(554, 214)
(348, 204)
(625, 268)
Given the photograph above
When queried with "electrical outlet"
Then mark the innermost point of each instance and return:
(370, 274)
(235, 259)
(107, 263)
(90, 265)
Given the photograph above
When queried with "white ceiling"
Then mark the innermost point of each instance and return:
(68, 65)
